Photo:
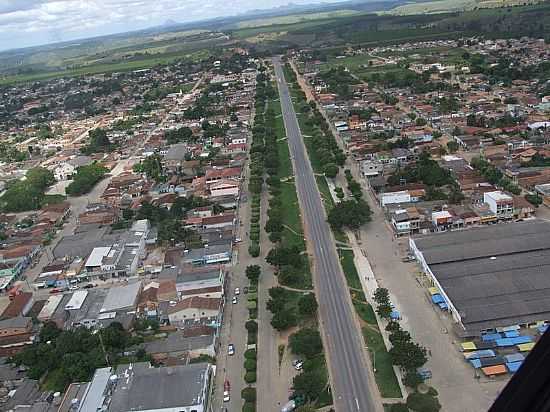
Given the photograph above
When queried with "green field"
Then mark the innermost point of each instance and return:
(385, 375)
(295, 18)
(348, 266)
(104, 68)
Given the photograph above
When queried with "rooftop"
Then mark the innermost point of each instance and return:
(143, 387)
(494, 276)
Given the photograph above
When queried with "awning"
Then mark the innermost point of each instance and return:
(466, 346)
(494, 370)
(513, 366)
(526, 347)
(433, 290)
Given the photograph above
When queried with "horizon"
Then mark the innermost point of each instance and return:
(35, 23)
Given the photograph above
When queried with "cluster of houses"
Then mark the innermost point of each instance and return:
(111, 266)
(386, 127)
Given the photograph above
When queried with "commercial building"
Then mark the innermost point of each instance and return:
(501, 204)
(141, 387)
(492, 277)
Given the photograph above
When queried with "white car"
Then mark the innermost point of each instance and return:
(235, 300)
(73, 287)
(226, 397)
(237, 291)
(231, 349)
(299, 365)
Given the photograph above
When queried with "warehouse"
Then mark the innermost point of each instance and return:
(491, 277)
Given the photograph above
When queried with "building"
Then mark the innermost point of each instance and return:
(141, 387)
(15, 326)
(196, 308)
(501, 204)
(490, 277)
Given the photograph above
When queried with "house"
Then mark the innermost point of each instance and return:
(371, 168)
(196, 308)
(442, 219)
(224, 188)
(19, 306)
(190, 342)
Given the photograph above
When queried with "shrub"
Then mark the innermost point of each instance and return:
(254, 250)
(250, 365)
(254, 236)
(251, 326)
(250, 377)
(249, 407)
(420, 402)
(249, 394)
(250, 354)
(251, 340)
(399, 407)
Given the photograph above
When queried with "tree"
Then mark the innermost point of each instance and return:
(251, 326)
(310, 384)
(284, 319)
(173, 230)
(384, 311)
(399, 337)
(534, 199)
(452, 146)
(331, 170)
(412, 379)
(85, 179)
(40, 177)
(382, 296)
(349, 213)
(307, 305)
(285, 256)
(253, 272)
(408, 355)
(306, 342)
(249, 394)
(420, 402)
(152, 167)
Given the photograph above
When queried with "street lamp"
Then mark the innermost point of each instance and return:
(373, 358)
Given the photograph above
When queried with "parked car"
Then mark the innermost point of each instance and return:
(231, 349)
(73, 287)
(237, 291)
(235, 300)
(226, 397)
(298, 364)
(89, 286)
(55, 290)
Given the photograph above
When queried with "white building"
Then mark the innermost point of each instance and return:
(395, 197)
(501, 204)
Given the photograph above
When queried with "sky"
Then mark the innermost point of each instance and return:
(34, 22)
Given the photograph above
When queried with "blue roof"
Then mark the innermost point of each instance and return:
(395, 315)
(514, 341)
(514, 357)
(443, 305)
(476, 363)
(437, 298)
(486, 353)
(513, 366)
(511, 334)
(490, 337)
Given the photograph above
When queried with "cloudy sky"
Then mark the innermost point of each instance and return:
(34, 22)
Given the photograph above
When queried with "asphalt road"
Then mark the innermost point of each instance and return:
(343, 342)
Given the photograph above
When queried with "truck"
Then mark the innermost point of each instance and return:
(289, 406)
